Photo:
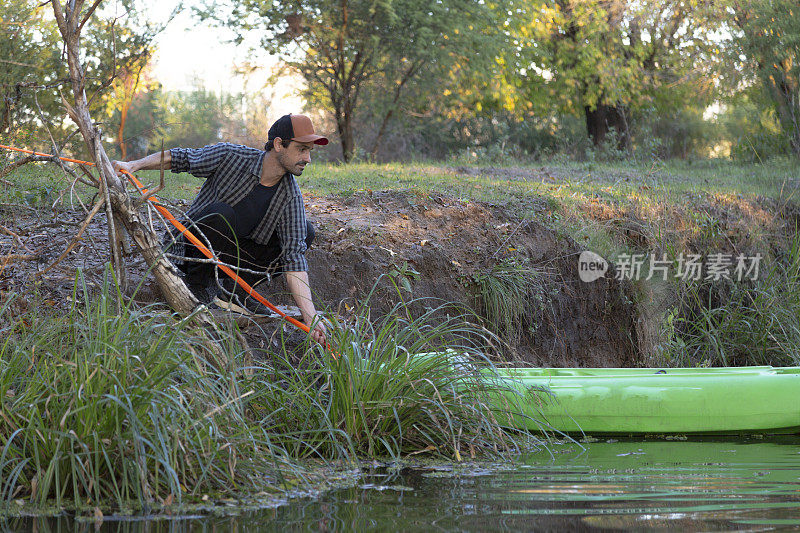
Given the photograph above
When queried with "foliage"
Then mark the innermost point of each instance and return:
(194, 118)
(380, 397)
(504, 292)
(29, 55)
(605, 59)
(767, 35)
(342, 48)
(751, 127)
(112, 406)
(33, 70)
(189, 118)
(735, 323)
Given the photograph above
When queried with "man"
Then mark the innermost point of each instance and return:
(250, 209)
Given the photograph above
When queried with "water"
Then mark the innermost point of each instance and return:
(695, 485)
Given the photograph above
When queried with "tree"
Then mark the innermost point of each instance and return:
(33, 71)
(28, 57)
(605, 58)
(767, 35)
(341, 47)
(122, 211)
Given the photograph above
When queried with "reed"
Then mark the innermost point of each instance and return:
(378, 396)
(111, 406)
(742, 323)
(505, 294)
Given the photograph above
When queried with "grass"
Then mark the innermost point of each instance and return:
(566, 181)
(102, 407)
(111, 406)
(505, 292)
(381, 398)
(732, 323)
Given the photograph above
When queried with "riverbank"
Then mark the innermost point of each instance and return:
(114, 407)
(130, 404)
(506, 243)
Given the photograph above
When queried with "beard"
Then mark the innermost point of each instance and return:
(295, 168)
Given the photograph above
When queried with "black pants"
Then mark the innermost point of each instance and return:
(220, 225)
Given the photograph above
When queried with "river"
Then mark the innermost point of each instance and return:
(694, 485)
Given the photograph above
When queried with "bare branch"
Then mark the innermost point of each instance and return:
(88, 14)
(76, 238)
(5, 171)
(12, 258)
(14, 236)
(93, 182)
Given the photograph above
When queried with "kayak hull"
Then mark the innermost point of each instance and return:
(644, 400)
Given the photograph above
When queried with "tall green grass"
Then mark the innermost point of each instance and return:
(734, 323)
(111, 406)
(506, 293)
(379, 397)
(107, 407)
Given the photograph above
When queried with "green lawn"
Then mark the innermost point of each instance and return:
(567, 188)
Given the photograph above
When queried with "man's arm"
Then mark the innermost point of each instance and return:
(151, 162)
(301, 292)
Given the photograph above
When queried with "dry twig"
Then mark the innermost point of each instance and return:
(14, 236)
(76, 238)
(11, 258)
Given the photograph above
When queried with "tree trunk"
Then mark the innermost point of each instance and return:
(122, 208)
(344, 126)
(604, 118)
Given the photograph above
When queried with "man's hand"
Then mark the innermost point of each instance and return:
(298, 286)
(127, 166)
(318, 332)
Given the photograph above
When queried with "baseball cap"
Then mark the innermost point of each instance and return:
(296, 128)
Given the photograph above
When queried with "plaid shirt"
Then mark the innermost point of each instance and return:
(231, 171)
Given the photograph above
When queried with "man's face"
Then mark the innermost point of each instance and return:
(295, 157)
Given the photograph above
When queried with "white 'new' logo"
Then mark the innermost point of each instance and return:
(591, 266)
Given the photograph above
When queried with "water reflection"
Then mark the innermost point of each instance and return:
(693, 485)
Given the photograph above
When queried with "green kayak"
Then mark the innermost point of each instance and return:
(758, 399)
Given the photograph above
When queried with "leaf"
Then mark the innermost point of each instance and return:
(426, 449)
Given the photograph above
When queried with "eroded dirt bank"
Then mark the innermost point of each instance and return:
(438, 244)
(415, 246)
(448, 243)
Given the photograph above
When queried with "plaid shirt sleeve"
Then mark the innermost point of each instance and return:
(199, 162)
(292, 234)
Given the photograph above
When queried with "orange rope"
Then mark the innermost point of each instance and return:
(189, 235)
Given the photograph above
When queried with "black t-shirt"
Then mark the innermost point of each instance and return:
(250, 210)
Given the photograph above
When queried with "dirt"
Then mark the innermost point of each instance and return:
(437, 244)
(448, 241)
